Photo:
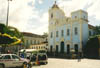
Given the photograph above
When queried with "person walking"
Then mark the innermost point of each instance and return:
(79, 57)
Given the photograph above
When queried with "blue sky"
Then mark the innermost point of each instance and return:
(32, 15)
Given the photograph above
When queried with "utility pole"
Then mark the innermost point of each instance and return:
(7, 13)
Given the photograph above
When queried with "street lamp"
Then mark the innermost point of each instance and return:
(7, 13)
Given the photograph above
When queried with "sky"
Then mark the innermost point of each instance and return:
(32, 15)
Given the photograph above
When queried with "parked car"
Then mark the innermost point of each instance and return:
(42, 58)
(12, 60)
(36, 56)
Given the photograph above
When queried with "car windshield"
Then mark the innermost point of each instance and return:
(33, 58)
(42, 57)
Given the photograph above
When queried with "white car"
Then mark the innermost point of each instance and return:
(12, 60)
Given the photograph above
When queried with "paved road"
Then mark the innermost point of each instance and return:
(70, 63)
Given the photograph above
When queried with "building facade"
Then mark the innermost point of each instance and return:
(32, 39)
(42, 46)
(91, 30)
(67, 33)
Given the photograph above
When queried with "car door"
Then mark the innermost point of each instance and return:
(7, 60)
(16, 61)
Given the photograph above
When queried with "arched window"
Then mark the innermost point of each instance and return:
(51, 34)
(38, 41)
(84, 17)
(75, 16)
(62, 32)
(68, 32)
(27, 42)
(90, 33)
(31, 41)
(51, 15)
(56, 48)
(76, 48)
(34, 41)
(76, 31)
(51, 48)
(56, 33)
(68, 49)
(62, 47)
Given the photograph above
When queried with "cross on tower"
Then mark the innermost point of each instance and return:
(55, 2)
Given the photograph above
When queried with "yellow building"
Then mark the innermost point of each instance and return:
(33, 39)
(42, 46)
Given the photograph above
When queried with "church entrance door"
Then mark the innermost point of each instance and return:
(62, 47)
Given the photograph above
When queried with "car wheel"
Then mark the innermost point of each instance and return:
(2, 66)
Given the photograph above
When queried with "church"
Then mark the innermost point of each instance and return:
(68, 34)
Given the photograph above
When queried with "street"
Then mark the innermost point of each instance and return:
(70, 63)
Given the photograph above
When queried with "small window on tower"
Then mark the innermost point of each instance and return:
(52, 15)
(76, 31)
(56, 33)
(68, 32)
(84, 16)
(51, 34)
(75, 16)
(62, 33)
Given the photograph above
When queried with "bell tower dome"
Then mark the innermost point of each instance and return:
(56, 13)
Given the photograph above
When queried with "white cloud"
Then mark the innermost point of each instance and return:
(25, 16)
(91, 6)
(40, 1)
(41, 24)
(94, 9)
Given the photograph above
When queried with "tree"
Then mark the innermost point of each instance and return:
(9, 35)
(12, 31)
(3, 29)
(97, 29)
(91, 49)
(45, 34)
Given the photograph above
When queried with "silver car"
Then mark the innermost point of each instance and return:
(12, 60)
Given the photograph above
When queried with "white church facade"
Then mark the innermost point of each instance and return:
(67, 33)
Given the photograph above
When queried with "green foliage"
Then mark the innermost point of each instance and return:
(91, 49)
(10, 31)
(45, 34)
(97, 29)
(13, 32)
(3, 28)
(95, 36)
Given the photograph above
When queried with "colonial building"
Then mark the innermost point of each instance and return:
(42, 46)
(91, 30)
(32, 39)
(67, 33)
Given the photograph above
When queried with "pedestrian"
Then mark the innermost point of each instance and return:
(9, 52)
(22, 55)
(37, 60)
(79, 56)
